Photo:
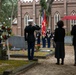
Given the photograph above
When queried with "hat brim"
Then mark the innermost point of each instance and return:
(30, 20)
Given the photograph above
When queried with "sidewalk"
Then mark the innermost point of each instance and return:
(48, 66)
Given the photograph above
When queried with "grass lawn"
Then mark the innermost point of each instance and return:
(11, 64)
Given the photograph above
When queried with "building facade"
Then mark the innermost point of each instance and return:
(31, 9)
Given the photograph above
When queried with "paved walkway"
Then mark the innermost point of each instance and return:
(48, 66)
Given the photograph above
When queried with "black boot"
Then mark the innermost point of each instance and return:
(75, 64)
(58, 61)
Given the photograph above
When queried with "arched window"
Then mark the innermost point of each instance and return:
(26, 17)
(72, 22)
(56, 19)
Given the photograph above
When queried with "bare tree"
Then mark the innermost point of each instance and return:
(13, 7)
(49, 3)
(0, 4)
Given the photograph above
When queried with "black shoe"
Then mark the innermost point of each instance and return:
(62, 63)
(57, 63)
(35, 59)
(74, 64)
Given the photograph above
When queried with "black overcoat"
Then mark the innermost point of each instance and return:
(59, 40)
(29, 33)
(73, 32)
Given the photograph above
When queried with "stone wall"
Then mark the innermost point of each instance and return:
(18, 42)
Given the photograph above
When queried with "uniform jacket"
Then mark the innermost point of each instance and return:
(29, 33)
(38, 34)
(48, 35)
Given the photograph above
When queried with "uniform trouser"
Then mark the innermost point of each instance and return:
(44, 42)
(31, 50)
(75, 54)
(49, 43)
(38, 41)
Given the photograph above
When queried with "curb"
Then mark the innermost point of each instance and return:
(48, 55)
(20, 69)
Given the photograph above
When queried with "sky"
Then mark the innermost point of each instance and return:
(28, 0)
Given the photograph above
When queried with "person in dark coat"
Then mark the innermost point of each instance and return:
(59, 41)
(48, 36)
(30, 38)
(38, 34)
(73, 32)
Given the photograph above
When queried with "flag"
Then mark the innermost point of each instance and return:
(44, 23)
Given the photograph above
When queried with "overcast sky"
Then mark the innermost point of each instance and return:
(28, 0)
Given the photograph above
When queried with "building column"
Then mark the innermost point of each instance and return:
(65, 14)
(19, 19)
(49, 24)
(34, 11)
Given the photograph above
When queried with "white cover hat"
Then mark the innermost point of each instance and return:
(30, 20)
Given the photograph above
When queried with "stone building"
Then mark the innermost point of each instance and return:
(31, 9)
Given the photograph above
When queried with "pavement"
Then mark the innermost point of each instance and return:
(48, 66)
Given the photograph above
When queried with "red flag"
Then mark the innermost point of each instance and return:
(44, 24)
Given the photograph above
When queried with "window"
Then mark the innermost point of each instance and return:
(56, 19)
(26, 17)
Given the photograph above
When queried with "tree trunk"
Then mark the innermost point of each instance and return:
(49, 3)
(0, 4)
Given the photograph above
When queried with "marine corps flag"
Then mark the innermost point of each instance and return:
(44, 23)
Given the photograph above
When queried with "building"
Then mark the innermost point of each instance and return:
(31, 9)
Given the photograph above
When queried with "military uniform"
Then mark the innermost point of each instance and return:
(44, 41)
(30, 38)
(48, 35)
(38, 34)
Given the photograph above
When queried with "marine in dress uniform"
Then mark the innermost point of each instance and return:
(38, 34)
(48, 36)
(30, 38)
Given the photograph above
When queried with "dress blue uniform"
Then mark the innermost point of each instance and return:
(30, 38)
(48, 36)
(44, 41)
(38, 34)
